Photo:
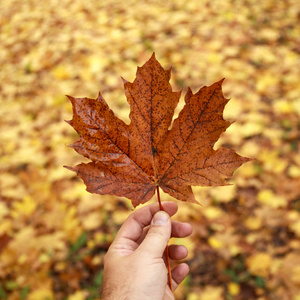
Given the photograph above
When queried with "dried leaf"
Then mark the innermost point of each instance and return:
(132, 160)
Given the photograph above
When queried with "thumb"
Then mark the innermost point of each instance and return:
(158, 235)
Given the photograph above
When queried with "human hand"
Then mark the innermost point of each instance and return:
(134, 266)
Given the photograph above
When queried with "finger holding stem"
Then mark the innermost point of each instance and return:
(167, 247)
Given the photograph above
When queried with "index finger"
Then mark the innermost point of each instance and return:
(133, 227)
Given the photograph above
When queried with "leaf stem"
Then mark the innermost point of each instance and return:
(167, 247)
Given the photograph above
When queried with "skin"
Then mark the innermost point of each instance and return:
(134, 266)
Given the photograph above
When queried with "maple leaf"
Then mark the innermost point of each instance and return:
(132, 160)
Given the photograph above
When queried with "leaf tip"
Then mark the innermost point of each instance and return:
(188, 94)
(100, 95)
(194, 201)
(248, 159)
(70, 146)
(168, 71)
(68, 122)
(189, 90)
(124, 80)
(70, 168)
(72, 99)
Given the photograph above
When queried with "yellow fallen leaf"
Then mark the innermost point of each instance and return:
(192, 296)
(22, 259)
(290, 267)
(250, 149)
(233, 109)
(296, 106)
(259, 264)
(235, 250)
(56, 174)
(78, 295)
(97, 63)
(43, 258)
(23, 241)
(212, 212)
(275, 137)
(283, 106)
(25, 207)
(41, 294)
(233, 288)
(266, 81)
(268, 198)
(211, 293)
(60, 266)
(71, 223)
(250, 129)
(295, 244)
(294, 171)
(272, 162)
(91, 221)
(6, 226)
(223, 193)
(91, 244)
(293, 215)
(295, 276)
(3, 210)
(215, 243)
(253, 223)
(7, 179)
(247, 170)
(295, 227)
(61, 72)
(97, 260)
(51, 242)
(120, 216)
(87, 204)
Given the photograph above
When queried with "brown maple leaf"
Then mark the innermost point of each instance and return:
(132, 160)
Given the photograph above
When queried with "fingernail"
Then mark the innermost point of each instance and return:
(160, 218)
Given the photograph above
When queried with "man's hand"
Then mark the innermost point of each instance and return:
(134, 266)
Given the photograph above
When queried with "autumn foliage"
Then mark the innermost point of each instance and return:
(132, 160)
(53, 234)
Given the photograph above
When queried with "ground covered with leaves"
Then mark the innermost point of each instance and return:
(53, 234)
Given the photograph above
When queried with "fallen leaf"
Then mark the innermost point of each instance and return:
(268, 198)
(233, 288)
(290, 269)
(259, 264)
(43, 292)
(211, 293)
(79, 295)
(4, 240)
(133, 160)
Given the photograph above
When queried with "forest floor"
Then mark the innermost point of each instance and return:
(54, 234)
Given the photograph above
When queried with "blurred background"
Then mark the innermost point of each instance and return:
(53, 234)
